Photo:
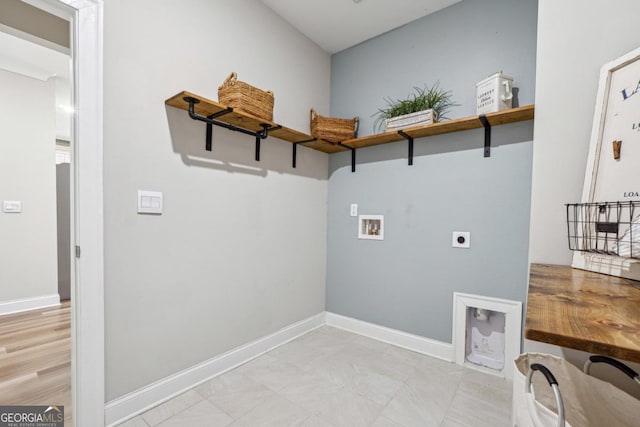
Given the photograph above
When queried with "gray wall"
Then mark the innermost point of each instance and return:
(407, 281)
(240, 250)
(27, 174)
(63, 220)
(457, 46)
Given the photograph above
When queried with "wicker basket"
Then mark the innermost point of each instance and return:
(332, 129)
(245, 98)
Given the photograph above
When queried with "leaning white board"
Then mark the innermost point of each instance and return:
(617, 118)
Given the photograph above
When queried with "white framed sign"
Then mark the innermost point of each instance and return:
(613, 164)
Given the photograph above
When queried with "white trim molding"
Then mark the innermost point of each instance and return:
(26, 304)
(87, 281)
(512, 331)
(132, 404)
(136, 402)
(429, 347)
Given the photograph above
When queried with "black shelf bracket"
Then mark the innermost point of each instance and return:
(295, 150)
(209, 137)
(487, 134)
(211, 121)
(410, 139)
(353, 155)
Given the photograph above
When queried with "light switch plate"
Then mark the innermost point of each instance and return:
(149, 202)
(354, 209)
(12, 206)
(461, 239)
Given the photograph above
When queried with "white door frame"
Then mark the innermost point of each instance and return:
(87, 321)
(88, 382)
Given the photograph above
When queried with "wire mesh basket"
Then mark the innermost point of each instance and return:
(607, 228)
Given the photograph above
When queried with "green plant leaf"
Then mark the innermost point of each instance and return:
(422, 98)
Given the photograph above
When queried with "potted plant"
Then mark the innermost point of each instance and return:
(424, 106)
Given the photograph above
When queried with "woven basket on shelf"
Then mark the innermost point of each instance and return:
(332, 129)
(245, 98)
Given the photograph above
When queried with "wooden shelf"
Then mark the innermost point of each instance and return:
(206, 108)
(513, 115)
(583, 310)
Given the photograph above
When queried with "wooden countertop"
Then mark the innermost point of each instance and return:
(587, 311)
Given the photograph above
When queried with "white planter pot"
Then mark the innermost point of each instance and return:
(419, 118)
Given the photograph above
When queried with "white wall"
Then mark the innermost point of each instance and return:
(240, 250)
(27, 173)
(575, 39)
(23, 55)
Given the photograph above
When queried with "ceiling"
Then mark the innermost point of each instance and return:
(336, 25)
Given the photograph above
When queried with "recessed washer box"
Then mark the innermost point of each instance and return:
(371, 227)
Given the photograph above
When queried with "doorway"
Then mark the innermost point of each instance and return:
(86, 281)
(36, 118)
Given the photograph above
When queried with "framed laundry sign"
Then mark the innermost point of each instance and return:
(611, 224)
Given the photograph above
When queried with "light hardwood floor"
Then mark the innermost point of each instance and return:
(35, 358)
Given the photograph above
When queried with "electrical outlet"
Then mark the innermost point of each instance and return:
(461, 239)
(354, 209)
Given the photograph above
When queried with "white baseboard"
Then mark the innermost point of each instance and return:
(137, 402)
(18, 305)
(438, 349)
(134, 403)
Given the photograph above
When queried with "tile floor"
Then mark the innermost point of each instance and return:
(333, 378)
